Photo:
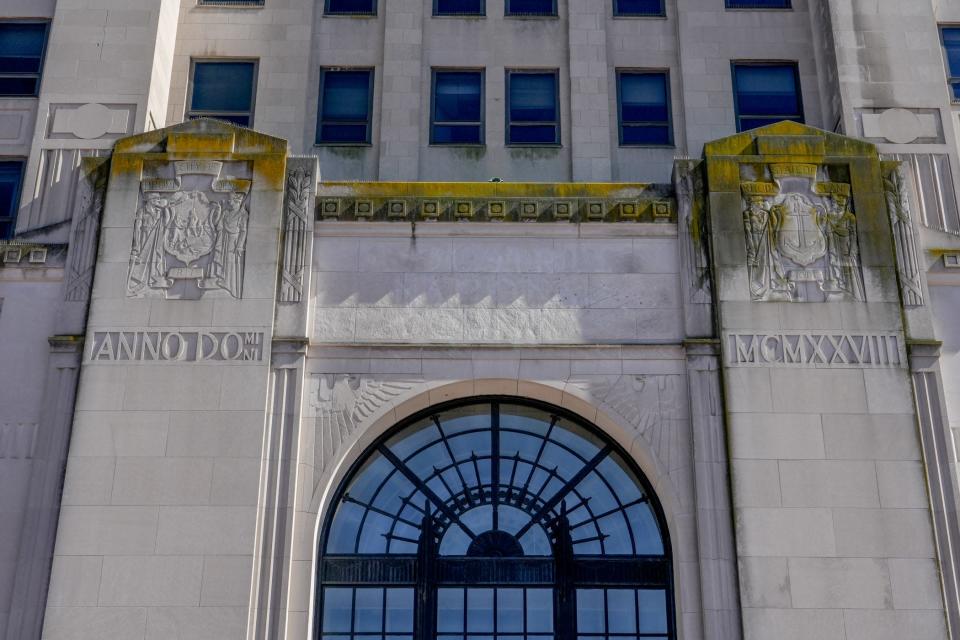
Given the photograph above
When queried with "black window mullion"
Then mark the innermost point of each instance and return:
(495, 462)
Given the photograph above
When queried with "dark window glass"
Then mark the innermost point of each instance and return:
(951, 49)
(362, 7)
(11, 175)
(345, 107)
(638, 7)
(531, 7)
(758, 4)
(458, 490)
(21, 57)
(457, 107)
(644, 98)
(458, 7)
(224, 90)
(533, 113)
(766, 93)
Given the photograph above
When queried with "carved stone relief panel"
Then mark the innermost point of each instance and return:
(90, 121)
(801, 236)
(904, 234)
(297, 224)
(190, 230)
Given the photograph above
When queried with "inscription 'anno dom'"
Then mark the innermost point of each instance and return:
(814, 349)
(175, 346)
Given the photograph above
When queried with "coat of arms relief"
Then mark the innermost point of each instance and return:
(190, 230)
(801, 236)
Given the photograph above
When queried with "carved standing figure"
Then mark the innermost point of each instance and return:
(843, 255)
(763, 260)
(231, 225)
(147, 268)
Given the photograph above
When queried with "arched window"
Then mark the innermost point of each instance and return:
(496, 519)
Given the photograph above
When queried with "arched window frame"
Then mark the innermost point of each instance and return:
(426, 570)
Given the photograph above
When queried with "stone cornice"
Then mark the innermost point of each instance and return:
(495, 202)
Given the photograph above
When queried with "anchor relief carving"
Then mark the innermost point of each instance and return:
(801, 238)
(190, 232)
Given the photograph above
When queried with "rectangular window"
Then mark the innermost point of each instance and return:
(630, 8)
(457, 115)
(346, 102)
(531, 8)
(458, 8)
(950, 37)
(351, 7)
(223, 89)
(644, 103)
(22, 45)
(533, 110)
(758, 4)
(11, 177)
(766, 92)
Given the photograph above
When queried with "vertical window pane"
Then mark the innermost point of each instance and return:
(10, 176)
(590, 611)
(457, 96)
(643, 97)
(652, 606)
(337, 609)
(621, 611)
(368, 614)
(399, 611)
(539, 611)
(21, 57)
(509, 610)
(345, 106)
(480, 610)
(222, 86)
(766, 93)
(450, 611)
(533, 97)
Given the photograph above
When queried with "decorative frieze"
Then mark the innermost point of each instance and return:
(174, 345)
(904, 235)
(190, 231)
(495, 202)
(814, 349)
(801, 236)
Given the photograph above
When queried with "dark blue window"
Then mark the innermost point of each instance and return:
(457, 107)
(766, 93)
(533, 112)
(644, 99)
(494, 521)
(638, 7)
(21, 57)
(223, 90)
(951, 50)
(11, 175)
(758, 4)
(345, 105)
(458, 8)
(531, 7)
(352, 7)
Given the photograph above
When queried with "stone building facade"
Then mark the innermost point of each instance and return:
(215, 335)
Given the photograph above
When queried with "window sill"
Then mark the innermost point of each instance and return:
(531, 16)
(458, 145)
(533, 145)
(660, 147)
(354, 145)
(366, 16)
(638, 16)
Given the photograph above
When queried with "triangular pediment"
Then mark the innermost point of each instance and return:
(202, 135)
(788, 138)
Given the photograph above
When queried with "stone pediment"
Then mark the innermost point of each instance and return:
(203, 135)
(789, 138)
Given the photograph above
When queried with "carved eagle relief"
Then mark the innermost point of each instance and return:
(651, 405)
(342, 403)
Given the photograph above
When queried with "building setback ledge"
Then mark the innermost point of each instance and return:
(495, 202)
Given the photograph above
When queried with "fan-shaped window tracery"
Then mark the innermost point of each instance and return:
(495, 520)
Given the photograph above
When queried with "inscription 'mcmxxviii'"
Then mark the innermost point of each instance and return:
(175, 346)
(814, 349)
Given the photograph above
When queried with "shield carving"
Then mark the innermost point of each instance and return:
(190, 232)
(799, 237)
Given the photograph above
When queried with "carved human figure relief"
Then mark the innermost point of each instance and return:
(190, 232)
(801, 237)
(904, 235)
